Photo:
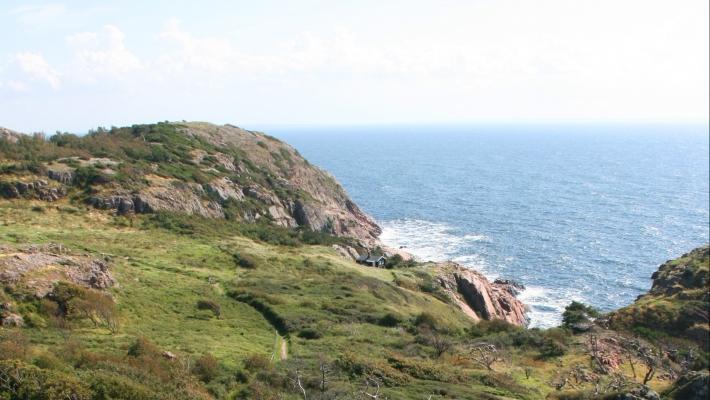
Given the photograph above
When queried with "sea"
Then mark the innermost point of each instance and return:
(582, 212)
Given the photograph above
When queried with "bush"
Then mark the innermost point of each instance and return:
(76, 302)
(576, 313)
(554, 343)
(389, 320)
(426, 319)
(256, 363)
(484, 327)
(244, 261)
(210, 305)
(309, 333)
(206, 368)
(87, 176)
(142, 347)
(49, 361)
(13, 346)
(397, 261)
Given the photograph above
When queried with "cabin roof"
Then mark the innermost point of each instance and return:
(369, 258)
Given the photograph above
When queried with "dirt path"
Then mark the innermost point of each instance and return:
(284, 349)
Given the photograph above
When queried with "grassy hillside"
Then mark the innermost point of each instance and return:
(282, 309)
(210, 307)
(677, 304)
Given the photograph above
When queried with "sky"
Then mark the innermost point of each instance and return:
(75, 65)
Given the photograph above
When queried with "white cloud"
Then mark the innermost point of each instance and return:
(185, 52)
(104, 54)
(34, 65)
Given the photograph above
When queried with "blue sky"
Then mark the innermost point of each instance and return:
(74, 65)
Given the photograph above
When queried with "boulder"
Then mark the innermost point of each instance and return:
(38, 268)
(38, 189)
(640, 393)
(478, 297)
(691, 386)
(63, 175)
(12, 320)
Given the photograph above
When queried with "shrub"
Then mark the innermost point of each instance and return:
(576, 313)
(244, 261)
(397, 261)
(485, 327)
(13, 346)
(213, 306)
(389, 320)
(206, 368)
(256, 363)
(142, 347)
(309, 333)
(48, 361)
(276, 320)
(554, 343)
(426, 319)
(87, 176)
(76, 302)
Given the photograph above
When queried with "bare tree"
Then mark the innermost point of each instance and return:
(296, 380)
(635, 349)
(372, 387)
(485, 354)
(325, 371)
(650, 360)
(435, 339)
(593, 346)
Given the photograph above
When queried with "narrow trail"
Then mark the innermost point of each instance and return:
(280, 348)
(284, 349)
(278, 323)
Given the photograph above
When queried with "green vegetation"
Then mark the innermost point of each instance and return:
(578, 313)
(221, 308)
(677, 305)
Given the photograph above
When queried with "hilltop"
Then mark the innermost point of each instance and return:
(190, 167)
(189, 260)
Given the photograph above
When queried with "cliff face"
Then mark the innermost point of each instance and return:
(200, 169)
(478, 297)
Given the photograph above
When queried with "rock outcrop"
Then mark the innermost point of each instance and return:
(214, 172)
(478, 297)
(300, 193)
(677, 302)
(38, 189)
(9, 135)
(37, 268)
(688, 273)
(694, 385)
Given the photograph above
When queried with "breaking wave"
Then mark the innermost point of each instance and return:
(435, 241)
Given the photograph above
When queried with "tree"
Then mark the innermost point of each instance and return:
(650, 358)
(296, 380)
(485, 354)
(372, 387)
(577, 313)
(436, 340)
(325, 371)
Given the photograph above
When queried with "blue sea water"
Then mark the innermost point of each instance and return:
(573, 212)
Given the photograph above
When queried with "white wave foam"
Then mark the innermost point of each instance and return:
(433, 241)
(426, 240)
(546, 306)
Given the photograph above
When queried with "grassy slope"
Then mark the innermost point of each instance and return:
(161, 276)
